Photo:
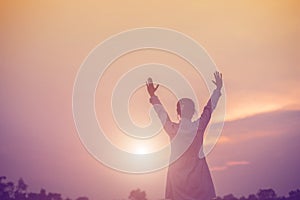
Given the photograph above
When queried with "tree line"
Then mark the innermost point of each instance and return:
(12, 191)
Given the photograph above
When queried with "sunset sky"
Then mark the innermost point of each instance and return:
(255, 44)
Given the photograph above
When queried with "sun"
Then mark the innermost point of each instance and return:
(141, 149)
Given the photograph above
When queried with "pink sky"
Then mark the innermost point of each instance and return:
(255, 45)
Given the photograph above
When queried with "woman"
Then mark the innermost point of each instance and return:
(188, 177)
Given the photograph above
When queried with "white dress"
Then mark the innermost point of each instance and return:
(188, 177)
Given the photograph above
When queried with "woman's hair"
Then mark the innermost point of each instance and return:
(185, 108)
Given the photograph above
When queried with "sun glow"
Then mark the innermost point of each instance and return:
(141, 149)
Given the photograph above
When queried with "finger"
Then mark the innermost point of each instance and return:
(156, 87)
(221, 75)
(150, 80)
(214, 82)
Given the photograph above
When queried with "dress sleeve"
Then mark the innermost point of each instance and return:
(208, 109)
(168, 125)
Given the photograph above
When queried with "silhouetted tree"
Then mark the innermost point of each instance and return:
(20, 191)
(229, 197)
(10, 187)
(3, 193)
(252, 197)
(42, 195)
(54, 196)
(266, 194)
(82, 198)
(281, 198)
(137, 195)
(9, 191)
(242, 198)
(294, 195)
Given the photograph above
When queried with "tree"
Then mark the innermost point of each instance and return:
(242, 198)
(82, 198)
(229, 197)
(218, 198)
(137, 195)
(266, 194)
(294, 195)
(252, 197)
(6, 189)
(20, 192)
(54, 196)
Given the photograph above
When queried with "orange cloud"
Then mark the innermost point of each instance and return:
(230, 164)
(233, 163)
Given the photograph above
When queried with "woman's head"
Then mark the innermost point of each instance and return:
(185, 108)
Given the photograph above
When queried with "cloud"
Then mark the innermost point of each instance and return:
(218, 168)
(259, 151)
(233, 163)
(269, 124)
(229, 164)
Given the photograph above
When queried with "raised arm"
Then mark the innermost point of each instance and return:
(212, 102)
(159, 109)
